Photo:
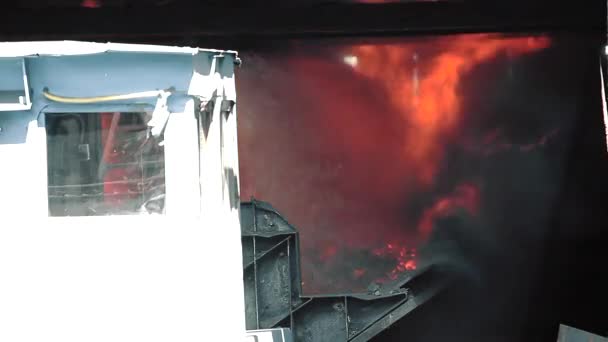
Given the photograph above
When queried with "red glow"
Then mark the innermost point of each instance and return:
(426, 93)
(464, 197)
(410, 265)
(359, 272)
(344, 149)
(90, 4)
(405, 259)
(328, 252)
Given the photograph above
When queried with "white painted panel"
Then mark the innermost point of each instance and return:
(182, 164)
(23, 176)
(129, 278)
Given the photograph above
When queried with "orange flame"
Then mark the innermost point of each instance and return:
(426, 93)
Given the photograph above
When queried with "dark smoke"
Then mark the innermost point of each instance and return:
(526, 262)
(321, 145)
(324, 145)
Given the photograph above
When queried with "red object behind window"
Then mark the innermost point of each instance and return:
(116, 187)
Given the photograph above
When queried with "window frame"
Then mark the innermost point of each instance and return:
(177, 134)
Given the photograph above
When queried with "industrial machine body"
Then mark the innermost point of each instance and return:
(119, 182)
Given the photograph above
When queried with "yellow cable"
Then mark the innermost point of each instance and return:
(96, 99)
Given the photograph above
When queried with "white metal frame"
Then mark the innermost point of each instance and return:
(129, 278)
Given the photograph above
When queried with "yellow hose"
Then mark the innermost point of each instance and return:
(96, 99)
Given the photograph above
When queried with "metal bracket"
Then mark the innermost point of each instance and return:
(160, 115)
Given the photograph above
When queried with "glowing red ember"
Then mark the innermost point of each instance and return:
(405, 259)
